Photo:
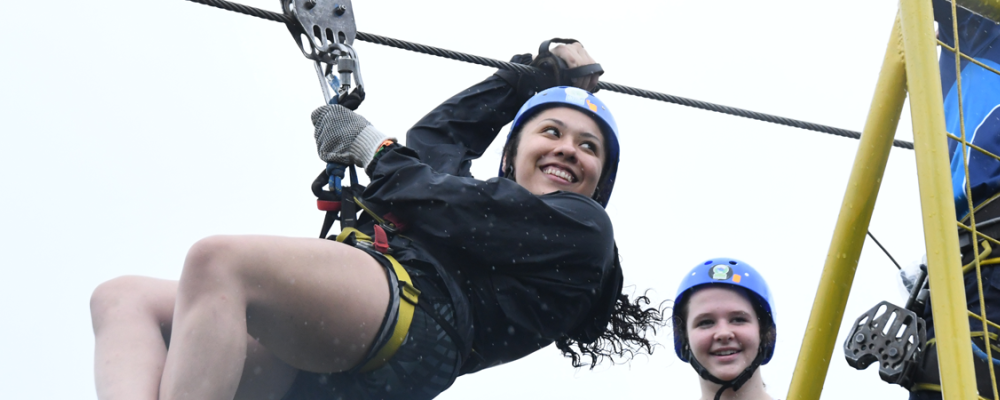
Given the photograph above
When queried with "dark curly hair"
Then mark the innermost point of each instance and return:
(624, 337)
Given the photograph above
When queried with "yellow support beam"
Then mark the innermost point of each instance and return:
(987, 8)
(951, 324)
(852, 224)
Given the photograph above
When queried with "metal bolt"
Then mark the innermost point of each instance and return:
(893, 352)
(310, 4)
(859, 337)
(339, 10)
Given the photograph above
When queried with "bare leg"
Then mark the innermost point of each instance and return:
(130, 316)
(265, 377)
(132, 321)
(315, 304)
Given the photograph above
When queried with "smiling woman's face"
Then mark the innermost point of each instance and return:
(560, 149)
(723, 331)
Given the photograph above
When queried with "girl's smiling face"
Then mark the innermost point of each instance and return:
(559, 149)
(723, 331)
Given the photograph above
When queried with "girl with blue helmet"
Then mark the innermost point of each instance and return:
(465, 275)
(571, 102)
(724, 326)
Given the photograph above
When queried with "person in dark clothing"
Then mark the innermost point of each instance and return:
(471, 274)
(977, 37)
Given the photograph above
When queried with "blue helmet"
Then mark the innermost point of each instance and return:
(586, 102)
(726, 271)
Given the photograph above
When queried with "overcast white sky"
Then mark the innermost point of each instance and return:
(130, 129)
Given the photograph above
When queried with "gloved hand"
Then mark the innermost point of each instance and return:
(574, 55)
(567, 64)
(343, 137)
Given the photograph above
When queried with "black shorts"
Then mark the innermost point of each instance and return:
(426, 363)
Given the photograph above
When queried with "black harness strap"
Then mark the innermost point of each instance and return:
(348, 210)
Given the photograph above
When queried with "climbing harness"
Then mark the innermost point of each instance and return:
(408, 293)
(324, 31)
(734, 273)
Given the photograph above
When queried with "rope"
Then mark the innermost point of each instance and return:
(489, 62)
(251, 11)
(884, 250)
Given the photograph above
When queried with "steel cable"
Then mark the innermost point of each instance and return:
(614, 87)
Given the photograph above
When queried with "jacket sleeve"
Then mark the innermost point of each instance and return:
(496, 223)
(462, 128)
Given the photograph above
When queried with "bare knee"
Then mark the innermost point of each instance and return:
(132, 298)
(211, 265)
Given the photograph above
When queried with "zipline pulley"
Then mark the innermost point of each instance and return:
(326, 28)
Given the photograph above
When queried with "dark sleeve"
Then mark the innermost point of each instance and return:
(942, 13)
(495, 223)
(977, 37)
(460, 129)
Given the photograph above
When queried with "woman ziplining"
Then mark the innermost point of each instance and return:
(477, 273)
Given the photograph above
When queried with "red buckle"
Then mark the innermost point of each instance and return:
(400, 226)
(381, 240)
(328, 205)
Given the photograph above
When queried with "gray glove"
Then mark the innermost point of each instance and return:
(343, 137)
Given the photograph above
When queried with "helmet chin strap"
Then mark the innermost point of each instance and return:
(735, 383)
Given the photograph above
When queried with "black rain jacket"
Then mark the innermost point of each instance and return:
(522, 270)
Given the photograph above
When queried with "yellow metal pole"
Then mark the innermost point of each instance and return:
(852, 224)
(951, 323)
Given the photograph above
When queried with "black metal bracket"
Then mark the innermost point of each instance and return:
(891, 335)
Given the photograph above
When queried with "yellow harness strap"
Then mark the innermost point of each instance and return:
(928, 387)
(409, 295)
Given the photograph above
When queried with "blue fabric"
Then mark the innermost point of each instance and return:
(980, 101)
(977, 38)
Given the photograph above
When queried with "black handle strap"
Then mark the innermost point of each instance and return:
(558, 73)
(543, 49)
